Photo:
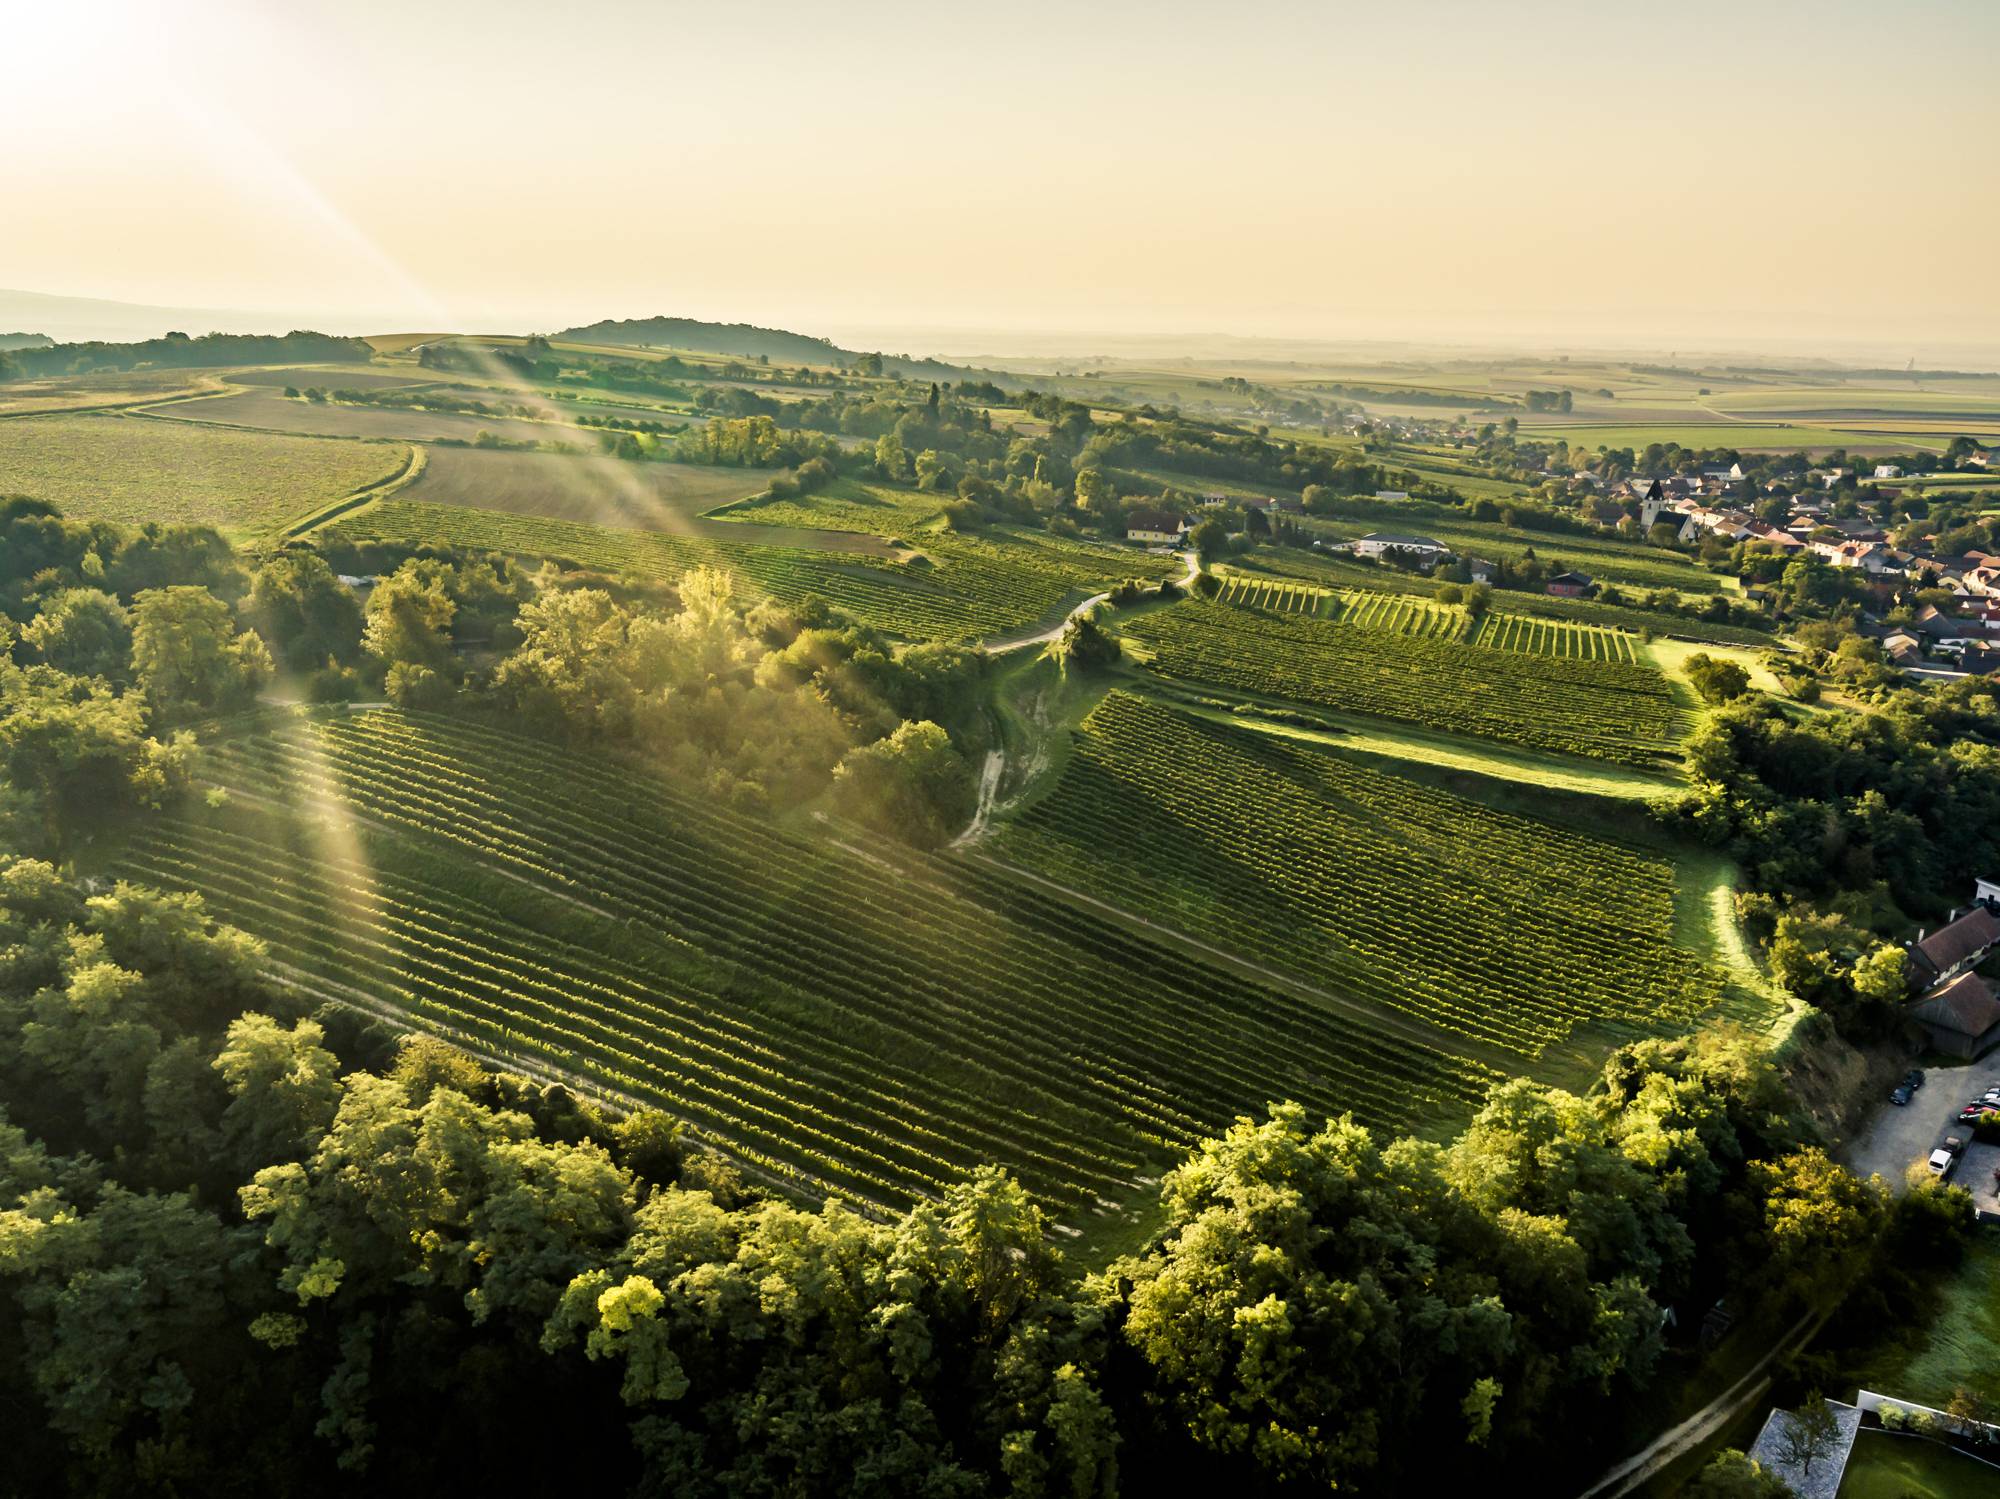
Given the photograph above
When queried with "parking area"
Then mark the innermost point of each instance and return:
(1895, 1136)
(1979, 1173)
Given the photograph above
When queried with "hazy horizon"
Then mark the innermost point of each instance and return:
(1728, 177)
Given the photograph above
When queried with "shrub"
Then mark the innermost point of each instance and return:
(417, 687)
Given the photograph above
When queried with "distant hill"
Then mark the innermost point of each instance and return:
(86, 319)
(745, 341)
(741, 340)
(24, 341)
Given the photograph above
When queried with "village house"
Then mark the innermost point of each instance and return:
(1887, 471)
(1771, 536)
(1155, 528)
(1422, 548)
(1979, 660)
(1903, 649)
(1571, 586)
(1957, 947)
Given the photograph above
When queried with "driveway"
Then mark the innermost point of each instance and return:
(1896, 1137)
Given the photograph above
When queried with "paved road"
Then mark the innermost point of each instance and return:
(1897, 1136)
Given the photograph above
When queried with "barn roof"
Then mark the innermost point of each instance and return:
(1965, 1005)
(1948, 946)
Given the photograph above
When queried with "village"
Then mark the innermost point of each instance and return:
(1933, 614)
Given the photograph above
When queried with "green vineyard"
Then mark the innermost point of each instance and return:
(1498, 926)
(834, 1022)
(1347, 576)
(1414, 614)
(1280, 595)
(1604, 709)
(1554, 637)
(961, 588)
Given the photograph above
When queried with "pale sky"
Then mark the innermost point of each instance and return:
(1432, 169)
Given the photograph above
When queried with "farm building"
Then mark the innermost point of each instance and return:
(1957, 947)
(1962, 1018)
(1155, 528)
(1376, 543)
(1571, 585)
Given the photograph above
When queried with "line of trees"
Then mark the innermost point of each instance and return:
(178, 351)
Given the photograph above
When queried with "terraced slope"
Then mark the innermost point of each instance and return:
(839, 1022)
(1500, 926)
(1610, 710)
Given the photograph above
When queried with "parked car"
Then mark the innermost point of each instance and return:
(1941, 1162)
(1953, 1143)
(1991, 1095)
(1913, 1079)
(1900, 1094)
(1975, 1111)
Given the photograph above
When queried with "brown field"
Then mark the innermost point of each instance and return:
(597, 491)
(400, 343)
(271, 411)
(110, 388)
(332, 376)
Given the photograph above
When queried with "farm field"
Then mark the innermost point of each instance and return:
(1353, 577)
(589, 489)
(106, 388)
(1627, 563)
(1610, 710)
(1279, 595)
(269, 410)
(1409, 750)
(836, 1024)
(962, 588)
(1553, 637)
(1412, 614)
(331, 376)
(1501, 927)
(132, 470)
(876, 509)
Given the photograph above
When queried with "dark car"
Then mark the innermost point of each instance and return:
(1900, 1094)
(1913, 1079)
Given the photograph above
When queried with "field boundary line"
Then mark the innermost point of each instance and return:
(1453, 1043)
